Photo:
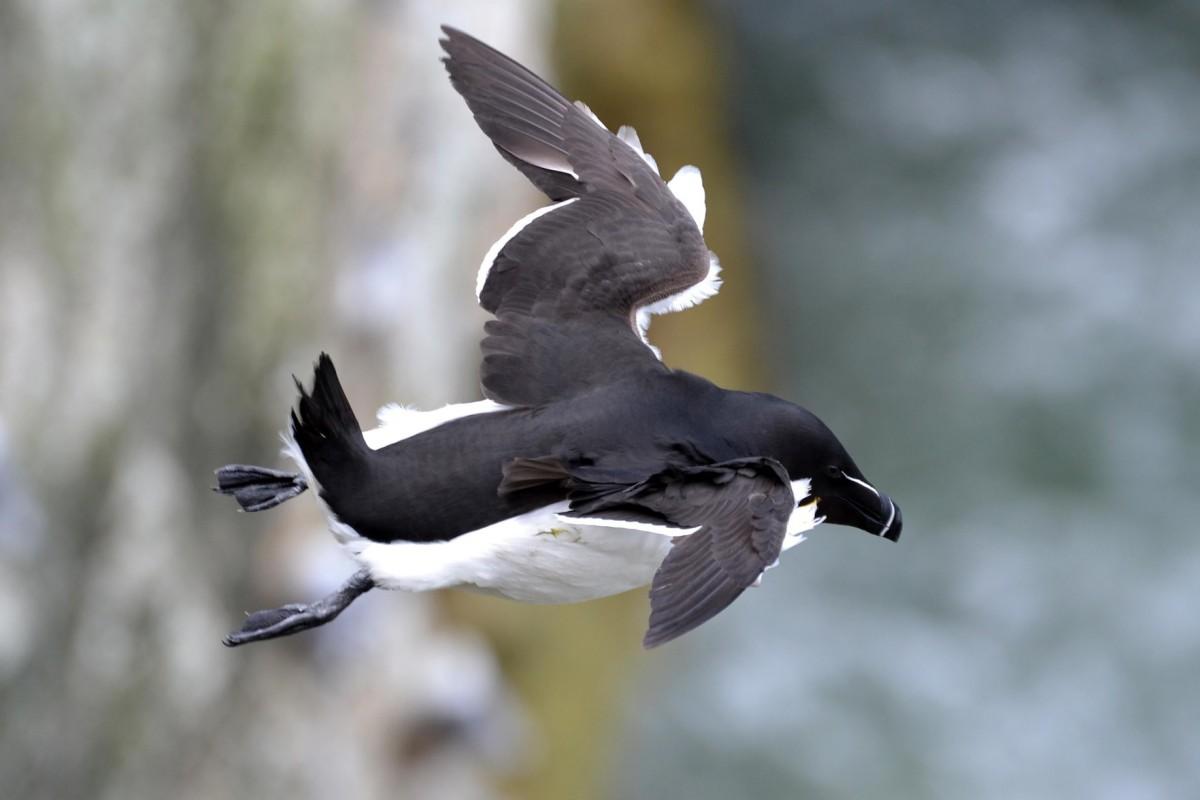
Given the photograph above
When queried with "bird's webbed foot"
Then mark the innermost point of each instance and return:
(295, 617)
(258, 488)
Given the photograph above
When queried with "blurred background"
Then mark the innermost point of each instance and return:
(966, 236)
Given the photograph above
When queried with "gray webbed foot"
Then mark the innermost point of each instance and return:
(295, 617)
(258, 488)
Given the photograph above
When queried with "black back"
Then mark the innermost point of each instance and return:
(447, 481)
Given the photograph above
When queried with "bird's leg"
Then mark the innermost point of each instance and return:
(296, 617)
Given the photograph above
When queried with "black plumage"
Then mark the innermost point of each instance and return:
(741, 508)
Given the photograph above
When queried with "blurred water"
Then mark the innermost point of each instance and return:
(980, 232)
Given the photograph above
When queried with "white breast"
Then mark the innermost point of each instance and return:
(541, 557)
(535, 558)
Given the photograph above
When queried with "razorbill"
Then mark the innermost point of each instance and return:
(591, 468)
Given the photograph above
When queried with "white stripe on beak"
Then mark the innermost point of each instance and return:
(874, 491)
(891, 518)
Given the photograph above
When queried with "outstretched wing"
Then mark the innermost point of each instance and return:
(739, 511)
(573, 285)
(560, 146)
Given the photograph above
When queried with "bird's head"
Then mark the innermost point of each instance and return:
(843, 494)
(845, 497)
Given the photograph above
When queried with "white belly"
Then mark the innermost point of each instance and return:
(534, 558)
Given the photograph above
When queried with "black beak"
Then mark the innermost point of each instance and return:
(856, 503)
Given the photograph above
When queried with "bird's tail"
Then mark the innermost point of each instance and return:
(325, 430)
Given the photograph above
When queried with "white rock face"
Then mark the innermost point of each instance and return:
(191, 204)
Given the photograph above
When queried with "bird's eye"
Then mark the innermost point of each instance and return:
(833, 471)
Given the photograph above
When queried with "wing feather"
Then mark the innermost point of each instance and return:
(581, 278)
(741, 507)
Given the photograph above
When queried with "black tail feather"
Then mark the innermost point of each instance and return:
(325, 428)
(258, 488)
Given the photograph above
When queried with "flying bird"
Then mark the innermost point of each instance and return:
(591, 467)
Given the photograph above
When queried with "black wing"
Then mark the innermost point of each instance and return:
(567, 288)
(741, 508)
(560, 146)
